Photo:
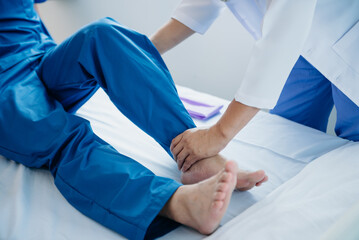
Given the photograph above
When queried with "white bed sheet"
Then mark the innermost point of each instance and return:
(307, 205)
(32, 207)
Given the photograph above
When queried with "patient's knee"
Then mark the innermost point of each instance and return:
(106, 27)
(103, 25)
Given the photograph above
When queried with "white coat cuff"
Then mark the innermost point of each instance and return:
(255, 101)
(198, 14)
(191, 22)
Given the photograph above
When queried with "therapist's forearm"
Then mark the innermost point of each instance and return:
(170, 35)
(234, 119)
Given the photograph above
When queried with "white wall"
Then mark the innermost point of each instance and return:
(212, 63)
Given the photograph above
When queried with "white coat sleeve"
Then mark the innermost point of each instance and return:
(286, 26)
(198, 14)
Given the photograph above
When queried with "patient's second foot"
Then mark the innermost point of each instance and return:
(202, 205)
(247, 180)
(208, 167)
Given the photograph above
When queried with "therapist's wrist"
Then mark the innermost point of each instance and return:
(220, 134)
(233, 120)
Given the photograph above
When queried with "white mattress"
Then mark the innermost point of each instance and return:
(313, 179)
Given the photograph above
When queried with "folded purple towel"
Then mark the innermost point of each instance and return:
(200, 110)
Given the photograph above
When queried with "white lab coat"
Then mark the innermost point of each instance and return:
(325, 32)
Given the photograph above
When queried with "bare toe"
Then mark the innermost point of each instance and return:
(222, 187)
(264, 180)
(247, 180)
(218, 196)
(217, 205)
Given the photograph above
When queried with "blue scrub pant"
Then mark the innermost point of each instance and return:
(38, 130)
(308, 98)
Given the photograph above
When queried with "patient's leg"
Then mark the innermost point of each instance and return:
(210, 166)
(202, 205)
(130, 70)
(103, 184)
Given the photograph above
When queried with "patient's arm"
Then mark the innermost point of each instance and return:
(170, 35)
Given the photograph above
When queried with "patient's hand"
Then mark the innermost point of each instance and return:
(196, 144)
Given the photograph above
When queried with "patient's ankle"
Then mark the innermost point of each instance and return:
(203, 169)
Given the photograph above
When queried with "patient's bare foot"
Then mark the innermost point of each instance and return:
(247, 180)
(208, 167)
(202, 205)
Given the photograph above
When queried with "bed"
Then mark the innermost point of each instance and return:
(313, 181)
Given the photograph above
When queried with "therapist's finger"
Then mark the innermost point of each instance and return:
(188, 162)
(176, 150)
(181, 158)
(175, 141)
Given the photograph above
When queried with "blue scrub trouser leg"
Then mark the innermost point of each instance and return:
(347, 125)
(130, 70)
(106, 186)
(36, 130)
(306, 97)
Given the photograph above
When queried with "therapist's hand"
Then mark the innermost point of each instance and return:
(196, 144)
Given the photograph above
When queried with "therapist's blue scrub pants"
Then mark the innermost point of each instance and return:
(308, 98)
(37, 129)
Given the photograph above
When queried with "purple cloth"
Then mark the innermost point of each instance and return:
(200, 110)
